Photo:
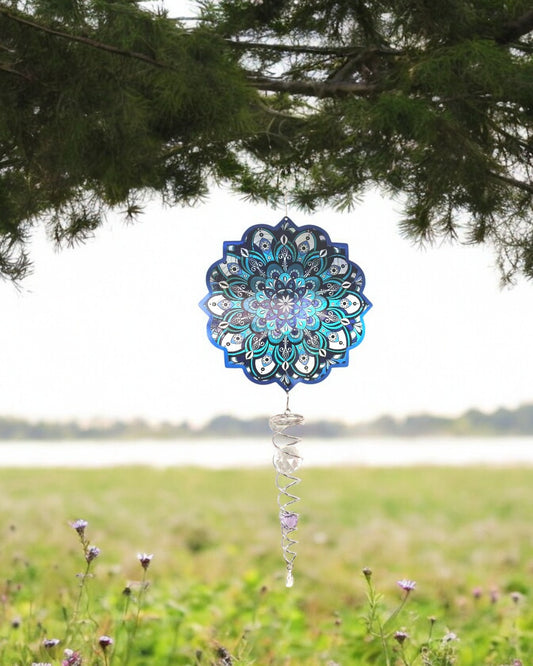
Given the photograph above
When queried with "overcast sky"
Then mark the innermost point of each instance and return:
(113, 328)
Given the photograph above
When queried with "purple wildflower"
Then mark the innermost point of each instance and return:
(51, 642)
(144, 559)
(91, 553)
(401, 636)
(72, 658)
(105, 642)
(225, 657)
(79, 526)
(407, 585)
(450, 637)
(477, 592)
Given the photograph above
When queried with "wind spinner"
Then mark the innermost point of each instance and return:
(286, 305)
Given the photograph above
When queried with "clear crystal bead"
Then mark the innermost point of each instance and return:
(287, 460)
(290, 579)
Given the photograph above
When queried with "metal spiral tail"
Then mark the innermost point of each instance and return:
(287, 460)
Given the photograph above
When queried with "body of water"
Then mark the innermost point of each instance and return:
(237, 453)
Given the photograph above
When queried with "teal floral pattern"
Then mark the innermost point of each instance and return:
(285, 304)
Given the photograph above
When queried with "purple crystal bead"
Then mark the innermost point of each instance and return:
(289, 521)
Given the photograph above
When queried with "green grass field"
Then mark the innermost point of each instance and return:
(216, 592)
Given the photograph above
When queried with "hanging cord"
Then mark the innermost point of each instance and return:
(286, 460)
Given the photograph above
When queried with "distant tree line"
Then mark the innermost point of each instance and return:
(18, 428)
(502, 422)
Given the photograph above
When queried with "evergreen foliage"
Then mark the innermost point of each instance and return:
(103, 103)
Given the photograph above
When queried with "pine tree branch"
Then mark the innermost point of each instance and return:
(513, 138)
(3, 68)
(276, 113)
(318, 50)
(515, 29)
(521, 46)
(519, 184)
(84, 40)
(313, 88)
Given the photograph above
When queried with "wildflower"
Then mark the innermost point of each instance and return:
(367, 573)
(92, 553)
(79, 526)
(72, 658)
(516, 597)
(450, 637)
(127, 591)
(16, 622)
(144, 559)
(400, 636)
(41, 663)
(105, 642)
(225, 657)
(51, 642)
(407, 585)
(477, 592)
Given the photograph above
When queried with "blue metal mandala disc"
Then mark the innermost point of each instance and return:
(285, 304)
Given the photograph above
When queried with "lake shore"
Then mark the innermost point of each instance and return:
(247, 453)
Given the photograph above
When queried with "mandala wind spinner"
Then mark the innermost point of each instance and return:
(286, 305)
